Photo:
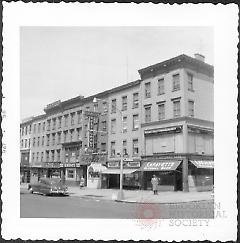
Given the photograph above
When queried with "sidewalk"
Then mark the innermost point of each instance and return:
(138, 196)
(141, 196)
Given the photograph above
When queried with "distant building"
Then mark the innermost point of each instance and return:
(161, 124)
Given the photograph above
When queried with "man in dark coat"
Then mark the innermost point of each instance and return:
(154, 182)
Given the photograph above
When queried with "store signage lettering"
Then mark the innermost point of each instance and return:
(204, 164)
(70, 165)
(128, 164)
(113, 164)
(159, 165)
(159, 130)
(52, 165)
(91, 135)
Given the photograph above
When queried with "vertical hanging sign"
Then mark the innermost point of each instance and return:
(90, 132)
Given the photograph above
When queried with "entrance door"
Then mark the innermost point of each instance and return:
(114, 181)
(178, 181)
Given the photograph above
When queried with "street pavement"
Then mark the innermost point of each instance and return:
(93, 206)
(139, 196)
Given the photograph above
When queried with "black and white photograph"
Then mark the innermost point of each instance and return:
(120, 123)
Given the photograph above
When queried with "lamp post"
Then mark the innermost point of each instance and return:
(120, 195)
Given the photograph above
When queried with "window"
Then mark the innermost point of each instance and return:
(65, 136)
(22, 143)
(58, 155)
(33, 157)
(48, 139)
(25, 130)
(87, 108)
(34, 128)
(79, 132)
(135, 100)
(148, 114)
(53, 139)
(114, 105)
(43, 126)
(124, 124)
(59, 138)
(30, 129)
(176, 108)
(147, 90)
(135, 122)
(65, 120)
(42, 156)
(104, 125)
(48, 125)
(34, 140)
(135, 147)
(79, 116)
(124, 103)
(72, 118)
(71, 134)
(39, 127)
(124, 144)
(176, 82)
(25, 143)
(42, 140)
(190, 81)
(191, 108)
(59, 122)
(37, 156)
(160, 86)
(105, 108)
(47, 156)
(52, 152)
(95, 106)
(29, 142)
(113, 126)
(113, 152)
(161, 112)
(85, 130)
(38, 141)
(54, 124)
(70, 173)
(103, 147)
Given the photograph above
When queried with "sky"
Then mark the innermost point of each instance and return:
(59, 63)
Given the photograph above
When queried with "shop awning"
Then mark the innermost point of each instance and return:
(96, 167)
(204, 164)
(160, 166)
(117, 171)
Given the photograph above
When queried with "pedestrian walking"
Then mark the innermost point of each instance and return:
(154, 182)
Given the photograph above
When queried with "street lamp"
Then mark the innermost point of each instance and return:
(120, 195)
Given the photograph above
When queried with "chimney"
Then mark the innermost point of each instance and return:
(199, 57)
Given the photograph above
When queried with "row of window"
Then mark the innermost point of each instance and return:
(176, 110)
(51, 156)
(135, 148)
(135, 124)
(135, 103)
(175, 85)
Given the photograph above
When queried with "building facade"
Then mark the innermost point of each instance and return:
(161, 124)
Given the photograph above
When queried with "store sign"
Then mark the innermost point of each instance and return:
(126, 164)
(205, 164)
(163, 130)
(160, 166)
(90, 133)
(70, 165)
(113, 164)
(51, 165)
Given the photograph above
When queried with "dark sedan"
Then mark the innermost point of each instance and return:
(48, 186)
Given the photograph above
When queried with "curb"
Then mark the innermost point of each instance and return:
(193, 201)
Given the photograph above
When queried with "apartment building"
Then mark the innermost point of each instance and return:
(161, 124)
(177, 123)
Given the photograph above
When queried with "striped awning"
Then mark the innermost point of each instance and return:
(117, 171)
(160, 166)
(204, 164)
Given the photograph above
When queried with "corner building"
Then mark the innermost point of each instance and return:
(177, 124)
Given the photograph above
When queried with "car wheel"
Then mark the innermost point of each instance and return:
(31, 190)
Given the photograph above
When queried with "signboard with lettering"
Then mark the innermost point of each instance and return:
(163, 130)
(126, 164)
(90, 133)
(203, 164)
(52, 164)
(160, 166)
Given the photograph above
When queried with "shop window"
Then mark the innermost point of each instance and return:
(70, 173)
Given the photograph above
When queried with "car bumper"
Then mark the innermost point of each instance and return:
(59, 192)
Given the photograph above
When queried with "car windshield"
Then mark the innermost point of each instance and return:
(55, 181)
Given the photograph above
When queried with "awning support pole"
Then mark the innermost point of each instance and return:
(185, 159)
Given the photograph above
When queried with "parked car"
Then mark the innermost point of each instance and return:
(48, 186)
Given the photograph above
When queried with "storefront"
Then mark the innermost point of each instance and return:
(94, 175)
(201, 175)
(131, 175)
(168, 172)
(24, 167)
(71, 173)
